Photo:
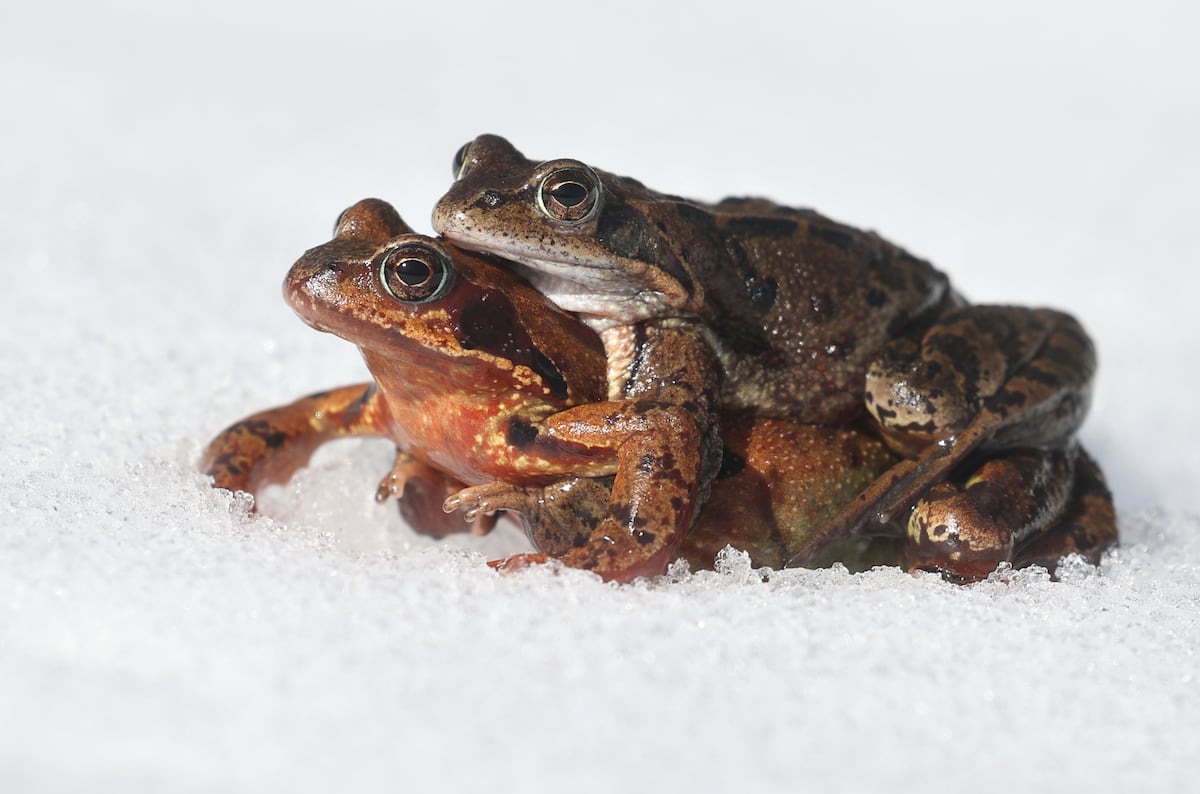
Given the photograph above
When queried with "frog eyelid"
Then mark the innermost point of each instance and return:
(561, 175)
(395, 266)
(337, 225)
(459, 166)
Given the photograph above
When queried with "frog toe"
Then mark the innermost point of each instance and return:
(486, 499)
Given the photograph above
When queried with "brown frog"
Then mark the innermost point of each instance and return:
(478, 378)
(748, 305)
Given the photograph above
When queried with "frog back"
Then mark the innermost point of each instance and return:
(797, 305)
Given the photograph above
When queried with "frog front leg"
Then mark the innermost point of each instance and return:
(659, 438)
(556, 517)
(420, 491)
(981, 378)
(270, 446)
(654, 453)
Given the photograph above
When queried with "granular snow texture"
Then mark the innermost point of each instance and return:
(162, 166)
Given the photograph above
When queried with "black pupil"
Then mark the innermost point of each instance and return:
(412, 272)
(569, 194)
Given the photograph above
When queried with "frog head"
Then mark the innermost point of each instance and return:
(422, 310)
(589, 240)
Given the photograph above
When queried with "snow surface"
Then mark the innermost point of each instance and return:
(161, 165)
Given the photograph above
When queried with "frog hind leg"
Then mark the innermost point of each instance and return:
(965, 530)
(985, 377)
(1087, 527)
(1028, 372)
(270, 446)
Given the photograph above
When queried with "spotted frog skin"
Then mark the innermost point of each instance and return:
(472, 370)
(753, 306)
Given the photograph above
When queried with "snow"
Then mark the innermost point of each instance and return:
(163, 164)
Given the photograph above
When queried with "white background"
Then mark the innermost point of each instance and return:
(161, 166)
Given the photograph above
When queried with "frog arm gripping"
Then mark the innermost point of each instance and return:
(655, 452)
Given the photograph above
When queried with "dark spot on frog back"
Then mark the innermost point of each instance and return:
(491, 324)
(831, 234)
(762, 292)
(743, 338)
(760, 226)
(697, 218)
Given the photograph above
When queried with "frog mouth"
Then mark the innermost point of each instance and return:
(587, 287)
(589, 290)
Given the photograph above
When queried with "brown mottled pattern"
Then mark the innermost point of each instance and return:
(798, 314)
(270, 446)
(795, 305)
(480, 378)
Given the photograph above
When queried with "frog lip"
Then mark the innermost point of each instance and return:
(577, 285)
(510, 248)
(595, 275)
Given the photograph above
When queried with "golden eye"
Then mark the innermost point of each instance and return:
(570, 193)
(414, 272)
(460, 160)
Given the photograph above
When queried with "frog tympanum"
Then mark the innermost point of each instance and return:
(478, 378)
(748, 305)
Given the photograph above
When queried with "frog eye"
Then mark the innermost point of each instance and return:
(460, 161)
(571, 194)
(338, 223)
(414, 272)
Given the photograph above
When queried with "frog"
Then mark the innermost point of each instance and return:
(786, 313)
(471, 369)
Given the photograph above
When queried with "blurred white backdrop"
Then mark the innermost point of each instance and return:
(163, 164)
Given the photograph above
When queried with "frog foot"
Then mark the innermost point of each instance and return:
(392, 484)
(480, 502)
(420, 490)
(612, 564)
(619, 553)
(983, 379)
(966, 531)
(518, 562)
